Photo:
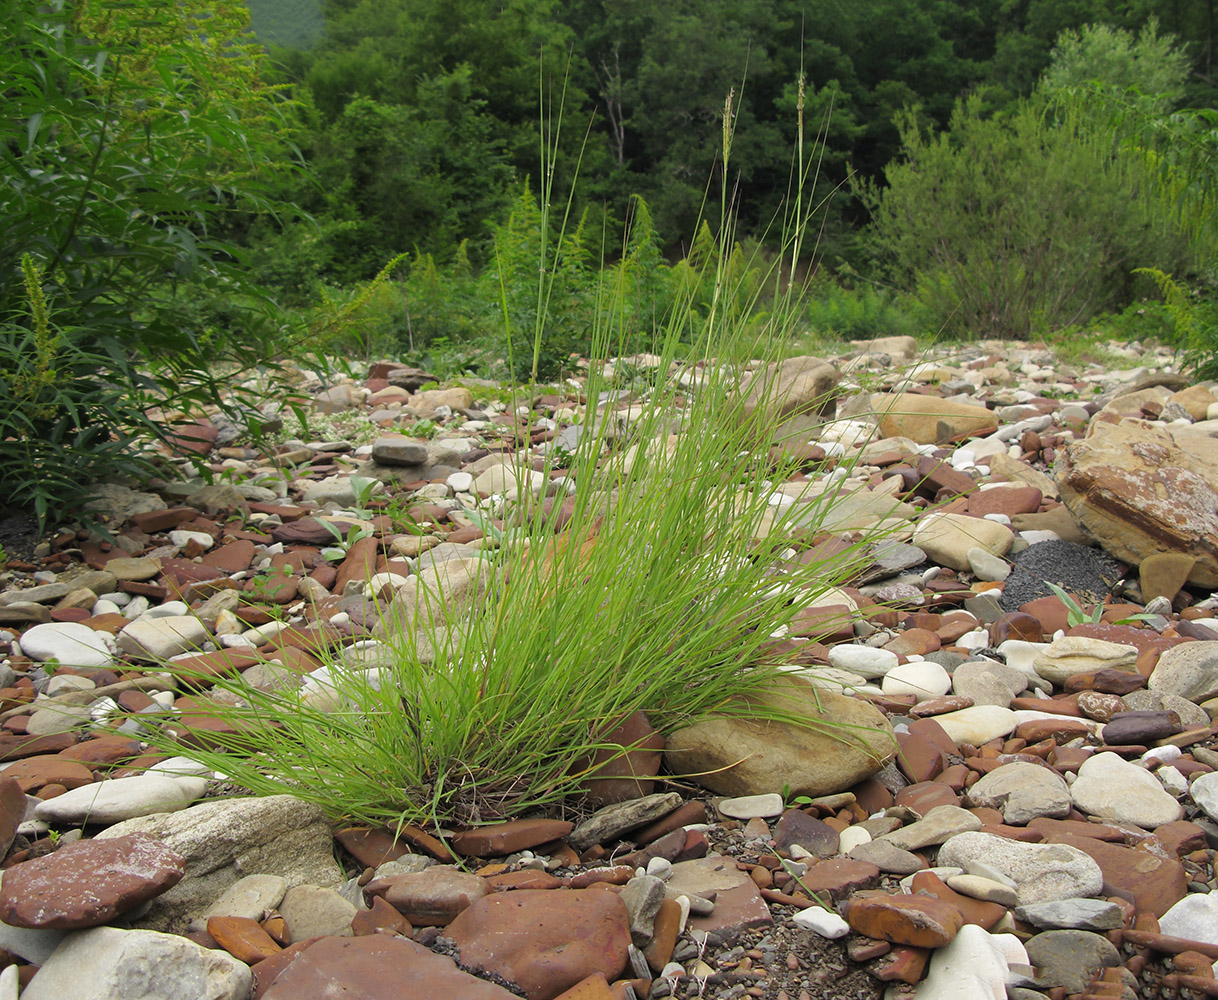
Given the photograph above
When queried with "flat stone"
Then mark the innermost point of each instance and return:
(837, 878)
(1071, 655)
(929, 419)
(429, 898)
(1164, 573)
(614, 820)
(1022, 792)
(251, 896)
(970, 967)
(1041, 872)
(1195, 917)
(813, 835)
(919, 921)
(1070, 959)
(749, 806)
(887, 857)
(88, 882)
(1156, 883)
(642, 896)
(105, 963)
(544, 941)
(1189, 670)
(938, 825)
(223, 839)
(1073, 914)
(372, 967)
(316, 911)
(979, 724)
(738, 904)
(67, 643)
(161, 638)
(121, 799)
(948, 538)
(507, 838)
(396, 450)
(1115, 791)
(243, 938)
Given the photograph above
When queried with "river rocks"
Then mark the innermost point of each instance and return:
(1070, 958)
(1022, 792)
(121, 799)
(106, 963)
(161, 638)
(1072, 655)
(1116, 791)
(68, 644)
(1189, 670)
(930, 420)
(971, 967)
(544, 941)
(88, 883)
(736, 756)
(1142, 490)
(1041, 872)
(949, 538)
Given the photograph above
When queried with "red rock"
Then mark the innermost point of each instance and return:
(738, 902)
(88, 883)
(1051, 828)
(975, 911)
(940, 706)
(374, 967)
(937, 477)
(688, 814)
(914, 641)
(12, 812)
(359, 564)
(201, 670)
(1009, 500)
(840, 877)
(525, 878)
(507, 838)
(595, 987)
(371, 848)
(380, 918)
(35, 772)
(1015, 625)
(15, 747)
(429, 898)
(664, 935)
(154, 521)
(919, 759)
(195, 437)
(103, 751)
(925, 795)
(1117, 682)
(902, 964)
(545, 942)
(235, 557)
(1181, 837)
(618, 776)
(1049, 611)
(1156, 883)
(814, 836)
(1063, 730)
(830, 623)
(242, 938)
(920, 921)
(305, 531)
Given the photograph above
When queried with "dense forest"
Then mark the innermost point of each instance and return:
(191, 183)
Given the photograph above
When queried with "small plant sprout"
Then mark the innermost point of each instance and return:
(343, 542)
(1075, 615)
(363, 489)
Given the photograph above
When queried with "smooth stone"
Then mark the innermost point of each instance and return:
(1072, 655)
(161, 638)
(1189, 670)
(1041, 872)
(985, 889)
(979, 724)
(105, 963)
(887, 857)
(1073, 914)
(1070, 959)
(938, 825)
(316, 911)
(749, 806)
(119, 799)
(1195, 917)
(224, 839)
(250, 897)
(823, 922)
(971, 967)
(865, 661)
(1113, 790)
(68, 643)
(642, 895)
(921, 678)
(986, 566)
(1022, 792)
(948, 538)
(988, 682)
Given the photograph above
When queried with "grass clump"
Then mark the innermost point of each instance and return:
(494, 679)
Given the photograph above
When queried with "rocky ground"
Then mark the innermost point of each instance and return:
(1047, 828)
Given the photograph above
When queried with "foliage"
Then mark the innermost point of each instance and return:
(1195, 321)
(120, 163)
(291, 23)
(1010, 224)
(862, 313)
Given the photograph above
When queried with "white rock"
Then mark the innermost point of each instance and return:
(750, 806)
(1073, 654)
(1114, 790)
(1023, 792)
(1041, 872)
(971, 967)
(162, 637)
(1204, 791)
(175, 766)
(1172, 780)
(978, 724)
(1022, 655)
(863, 660)
(117, 799)
(851, 837)
(182, 538)
(1195, 917)
(70, 643)
(921, 678)
(460, 482)
(986, 566)
(105, 963)
(824, 923)
(249, 897)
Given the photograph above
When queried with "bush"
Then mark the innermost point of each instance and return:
(120, 161)
(862, 313)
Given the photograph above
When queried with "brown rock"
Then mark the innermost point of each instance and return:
(738, 903)
(35, 772)
(371, 848)
(595, 987)
(840, 878)
(243, 938)
(1156, 883)
(919, 758)
(1015, 625)
(545, 942)
(12, 812)
(924, 796)
(380, 918)
(1142, 490)
(974, 911)
(235, 557)
(15, 746)
(1164, 573)
(88, 883)
(373, 967)
(663, 935)
(429, 898)
(626, 773)
(920, 921)
(930, 420)
(814, 836)
(1008, 500)
(103, 751)
(507, 838)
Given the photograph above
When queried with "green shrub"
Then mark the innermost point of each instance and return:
(862, 313)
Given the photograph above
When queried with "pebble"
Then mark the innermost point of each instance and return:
(119, 799)
(1041, 872)
(67, 643)
(1114, 790)
(821, 921)
(748, 806)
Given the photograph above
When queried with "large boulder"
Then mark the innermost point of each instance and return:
(833, 742)
(1142, 490)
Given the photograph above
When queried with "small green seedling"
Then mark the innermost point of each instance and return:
(342, 543)
(1074, 612)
